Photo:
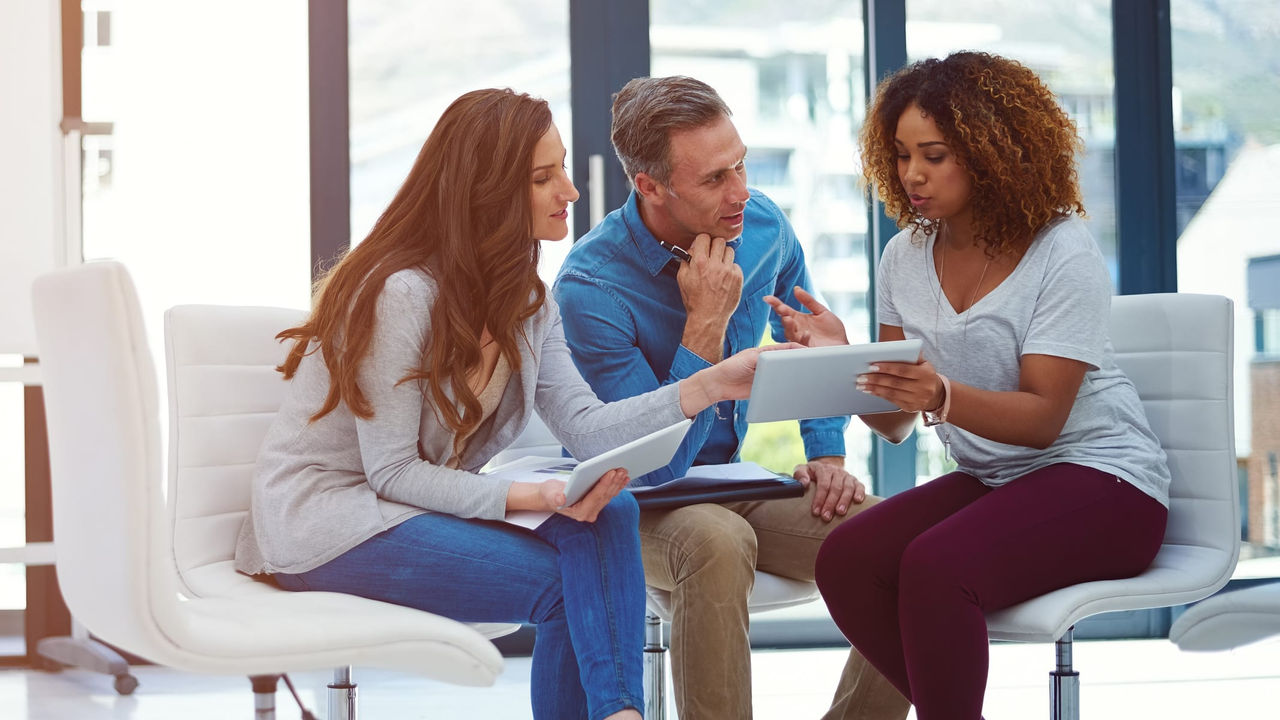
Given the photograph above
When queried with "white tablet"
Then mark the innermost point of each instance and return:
(819, 382)
(639, 457)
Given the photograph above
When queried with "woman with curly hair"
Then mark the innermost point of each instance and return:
(1059, 478)
(430, 345)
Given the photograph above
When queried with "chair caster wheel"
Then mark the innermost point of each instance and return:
(126, 684)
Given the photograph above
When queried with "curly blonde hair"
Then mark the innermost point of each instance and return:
(1006, 130)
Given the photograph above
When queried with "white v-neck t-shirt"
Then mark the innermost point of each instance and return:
(1056, 302)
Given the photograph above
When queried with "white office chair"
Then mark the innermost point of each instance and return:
(1177, 350)
(1229, 620)
(155, 579)
(771, 592)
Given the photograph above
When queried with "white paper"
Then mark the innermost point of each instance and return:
(702, 476)
(541, 469)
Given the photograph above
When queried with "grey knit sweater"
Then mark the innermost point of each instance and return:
(323, 487)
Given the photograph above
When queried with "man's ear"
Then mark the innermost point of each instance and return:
(648, 188)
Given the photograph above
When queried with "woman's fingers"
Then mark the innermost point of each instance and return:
(552, 494)
(606, 488)
(910, 386)
(616, 480)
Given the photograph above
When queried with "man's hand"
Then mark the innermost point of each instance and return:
(834, 488)
(815, 328)
(710, 288)
(726, 380)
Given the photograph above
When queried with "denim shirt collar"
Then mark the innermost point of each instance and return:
(654, 257)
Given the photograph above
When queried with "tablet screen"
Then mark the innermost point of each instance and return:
(819, 382)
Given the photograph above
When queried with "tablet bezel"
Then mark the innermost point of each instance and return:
(640, 456)
(819, 382)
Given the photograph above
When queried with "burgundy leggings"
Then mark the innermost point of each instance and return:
(908, 580)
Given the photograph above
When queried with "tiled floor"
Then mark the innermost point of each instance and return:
(1121, 680)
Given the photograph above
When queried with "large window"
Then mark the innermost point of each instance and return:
(792, 73)
(1226, 78)
(1068, 44)
(409, 60)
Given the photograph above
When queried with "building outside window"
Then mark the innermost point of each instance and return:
(792, 73)
(1227, 133)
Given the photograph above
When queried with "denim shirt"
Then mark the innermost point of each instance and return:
(623, 320)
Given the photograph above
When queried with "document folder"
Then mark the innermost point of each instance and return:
(716, 484)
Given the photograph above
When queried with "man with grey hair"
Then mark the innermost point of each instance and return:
(673, 282)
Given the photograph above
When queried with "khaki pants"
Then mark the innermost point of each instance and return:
(706, 557)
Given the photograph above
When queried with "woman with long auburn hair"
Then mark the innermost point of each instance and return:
(1060, 479)
(430, 345)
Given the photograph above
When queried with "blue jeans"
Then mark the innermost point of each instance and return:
(581, 584)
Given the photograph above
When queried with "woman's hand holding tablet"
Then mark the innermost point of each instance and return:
(821, 381)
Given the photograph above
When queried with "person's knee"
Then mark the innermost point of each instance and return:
(847, 547)
(622, 510)
(725, 547)
(834, 566)
(829, 567)
(548, 606)
(928, 567)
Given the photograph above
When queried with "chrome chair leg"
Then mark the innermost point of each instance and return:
(342, 695)
(1064, 682)
(655, 669)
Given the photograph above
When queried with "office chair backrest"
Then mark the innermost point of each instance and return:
(224, 391)
(1178, 351)
(102, 414)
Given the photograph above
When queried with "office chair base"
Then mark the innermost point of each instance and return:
(655, 669)
(88, 654)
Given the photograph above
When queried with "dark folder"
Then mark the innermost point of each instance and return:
(661, 497)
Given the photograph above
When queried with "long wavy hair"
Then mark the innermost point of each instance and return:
(463, 216)
(1007, 131)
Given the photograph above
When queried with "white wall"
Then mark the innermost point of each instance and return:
(31, 204)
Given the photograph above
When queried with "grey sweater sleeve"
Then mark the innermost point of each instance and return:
(584, 424)
(389, 441)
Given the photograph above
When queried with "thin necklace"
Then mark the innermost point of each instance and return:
(973, 297)
(964, 339)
